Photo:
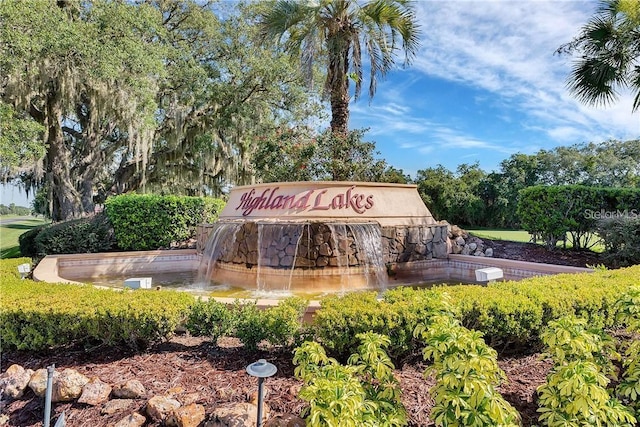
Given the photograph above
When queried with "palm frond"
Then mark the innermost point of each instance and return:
(609, 49)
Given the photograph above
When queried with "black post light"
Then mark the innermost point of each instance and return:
(261, 369)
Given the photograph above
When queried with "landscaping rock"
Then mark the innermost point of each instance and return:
(68, 386)
(236, 415)
(116, 405)
(14, 381)
(132, 420)
(131, 389)
(38, 381)
(488, 252)
(285, 420)
(189, 398)
(95, 392)
(186, 416)
(159, 407)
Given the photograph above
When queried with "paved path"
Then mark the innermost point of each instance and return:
(5, 221)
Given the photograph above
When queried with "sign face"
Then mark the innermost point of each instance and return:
(327, 200)
(273, 199)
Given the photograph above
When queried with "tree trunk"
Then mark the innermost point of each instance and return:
(64, 201)
(339, 86)
(338, 67)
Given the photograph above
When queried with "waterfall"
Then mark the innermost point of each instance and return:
(368, 240)
(274, 255)
(219, 246)
(365, 252)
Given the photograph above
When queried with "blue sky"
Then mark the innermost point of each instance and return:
(486, 84)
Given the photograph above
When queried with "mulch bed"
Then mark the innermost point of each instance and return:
(217, 373)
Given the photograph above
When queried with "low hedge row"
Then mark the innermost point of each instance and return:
(37, 315)
(164, 219)
(509, 314)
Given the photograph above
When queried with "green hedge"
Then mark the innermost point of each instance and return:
(621, 238)
(280, 325)
(553, 211)
(341, 318)
(511, 315)
(36, 315)
(85, 235)
(148, 222)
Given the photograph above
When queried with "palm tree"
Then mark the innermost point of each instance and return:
(339, 31)
(609, 49)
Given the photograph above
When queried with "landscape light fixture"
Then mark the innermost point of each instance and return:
(24, 270)
(261, 369)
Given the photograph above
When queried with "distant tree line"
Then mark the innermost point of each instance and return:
(12, 209)
(470, 196)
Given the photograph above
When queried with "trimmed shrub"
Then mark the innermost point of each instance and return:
(148, 222)
(506, 318)
(509, 314)
(209, 318)
(27, 241)
(341, 318)
(553, 211)
(621, 236)
(36, 316)
(85, 235)
(280, 325)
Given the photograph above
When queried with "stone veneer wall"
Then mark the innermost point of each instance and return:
(414, 243)
(323, 244)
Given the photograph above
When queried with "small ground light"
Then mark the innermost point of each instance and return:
(24, 270)
(261, 369)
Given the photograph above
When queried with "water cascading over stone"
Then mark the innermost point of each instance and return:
(318, 236)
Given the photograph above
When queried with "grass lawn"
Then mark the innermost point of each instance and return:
(493, 234)
(9, 233)
(522, 236)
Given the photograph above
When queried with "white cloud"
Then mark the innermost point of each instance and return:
(486, 84)
(507, 48)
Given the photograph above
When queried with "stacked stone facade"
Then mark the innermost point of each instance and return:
(320, 245)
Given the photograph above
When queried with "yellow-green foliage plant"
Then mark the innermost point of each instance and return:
(341, 318)
(362, 393)
(513, 313)
(575, 393)
(628, 307)
(467, 374)
(510, 314)
(38, 316)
